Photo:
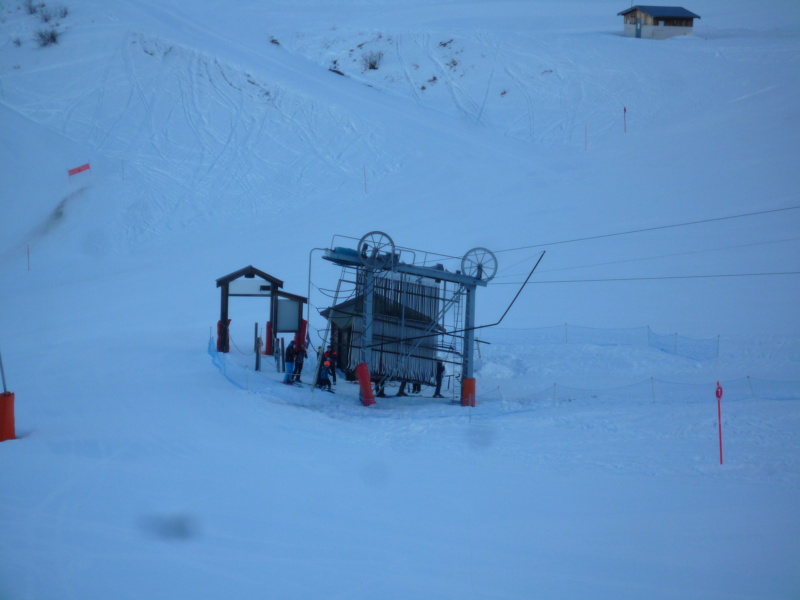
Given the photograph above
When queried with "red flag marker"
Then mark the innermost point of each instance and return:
(80, 169)
(719, 417)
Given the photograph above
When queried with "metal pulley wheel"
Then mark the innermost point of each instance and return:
(479, 263)
(376, 250)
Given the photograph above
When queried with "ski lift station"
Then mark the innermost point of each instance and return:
(397, 311)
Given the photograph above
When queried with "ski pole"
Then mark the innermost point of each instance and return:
(3, 375)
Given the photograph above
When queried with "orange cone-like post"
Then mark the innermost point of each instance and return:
(468, 391)
(362, 373)
(300, 335)
(7, 431)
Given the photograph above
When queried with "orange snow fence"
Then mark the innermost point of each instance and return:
(7, 431)
(362, 373)
(468, 391)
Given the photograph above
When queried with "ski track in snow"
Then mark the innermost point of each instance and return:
(224, 132)
(622, 431)
(140, 469)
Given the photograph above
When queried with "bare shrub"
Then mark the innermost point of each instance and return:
(46, 37)
(372, 60)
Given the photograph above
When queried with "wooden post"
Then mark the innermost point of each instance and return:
(273, 319)
(222, 342)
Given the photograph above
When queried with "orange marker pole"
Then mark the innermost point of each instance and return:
(7, 431)
(719, 418)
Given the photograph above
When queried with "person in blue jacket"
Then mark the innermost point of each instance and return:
(324, 381)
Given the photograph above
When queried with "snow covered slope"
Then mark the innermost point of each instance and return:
(219, 135)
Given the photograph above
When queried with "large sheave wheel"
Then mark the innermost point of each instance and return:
(479, 263)
(376, 250)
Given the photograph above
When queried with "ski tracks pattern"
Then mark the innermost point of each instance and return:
(242, 144)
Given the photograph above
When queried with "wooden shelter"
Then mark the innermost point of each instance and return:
(285, 310)
(404, 329)
(657, 22)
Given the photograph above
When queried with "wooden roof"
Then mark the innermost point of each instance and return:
(662, 11)
(249, 272)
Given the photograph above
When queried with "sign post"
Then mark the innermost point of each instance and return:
(719, 418)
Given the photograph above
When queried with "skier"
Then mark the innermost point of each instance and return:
(333, 358)
(439, 377)
(323, 381)
(289, 358)
(300, 356)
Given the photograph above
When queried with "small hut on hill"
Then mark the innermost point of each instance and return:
(657, 22)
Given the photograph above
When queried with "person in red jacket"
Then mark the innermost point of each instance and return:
(333, 358)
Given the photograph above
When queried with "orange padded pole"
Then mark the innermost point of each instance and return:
(468, 391)
(362, 373)
(7, 431)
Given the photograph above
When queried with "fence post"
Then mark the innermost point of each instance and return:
(653, 387)
(752, 391)
(554, 395)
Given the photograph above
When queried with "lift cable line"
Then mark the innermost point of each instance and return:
(654, 257)
(646, 229)
(714, 276)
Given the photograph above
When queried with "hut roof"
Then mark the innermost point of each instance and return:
(662, 11)
(383, 307)
(249, 272)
